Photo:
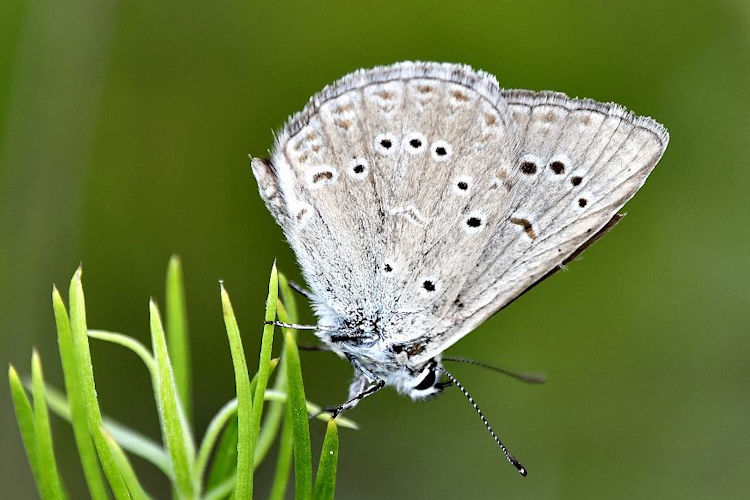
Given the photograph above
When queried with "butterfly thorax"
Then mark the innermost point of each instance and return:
(376, 357)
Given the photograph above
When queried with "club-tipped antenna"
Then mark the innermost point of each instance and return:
(515, 463)
(523, 377)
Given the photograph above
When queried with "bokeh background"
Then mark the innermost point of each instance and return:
(124, 133)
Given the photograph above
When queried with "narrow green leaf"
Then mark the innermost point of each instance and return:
(222, 417)
(77, 409)
(214, 429)
(265, 355)
(244, 487)
(25, 420)
(130, 439)
(225, 457)
(173, 424)
(177, 333)
(325, 479)
(283, 462)
(272, 422)
(297, 412)
(139, 349)
(287, 297)
(51, 486)
(221, 490)
(126, 470)
(140, 445)
(82, 356)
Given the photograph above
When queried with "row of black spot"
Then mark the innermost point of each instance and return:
(414, 143)
(529, 167)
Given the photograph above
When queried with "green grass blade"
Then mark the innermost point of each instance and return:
(287, 297)
(131, 440)
(283, 462)
(272, 422)
(325, 479)
(177, 334)
(214, 429)
(25, 420)
(297, 412)
(265, 355)
(174, 426)
(139, 349)
(140, 445)
(244, 487)
(222, 417)
(271, 425)
(225, 457)
(77, 410)
(221, 490)
(82, 356)
(51, 486)
(287, 312)
(126, 470)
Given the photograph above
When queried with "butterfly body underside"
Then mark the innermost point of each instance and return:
(420, 198)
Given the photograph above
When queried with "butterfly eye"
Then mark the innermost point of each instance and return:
(428, 381)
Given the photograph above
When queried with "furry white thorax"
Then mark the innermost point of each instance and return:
(375, 358)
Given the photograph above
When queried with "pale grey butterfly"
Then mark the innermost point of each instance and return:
(421, 198)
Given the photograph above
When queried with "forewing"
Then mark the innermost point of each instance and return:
(578, 163)
(389, 186)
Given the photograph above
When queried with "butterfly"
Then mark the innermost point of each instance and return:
(421, 198)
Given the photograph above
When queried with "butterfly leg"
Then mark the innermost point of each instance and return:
(369, 390)
(301, 290)
(294, 326)
(314, 348)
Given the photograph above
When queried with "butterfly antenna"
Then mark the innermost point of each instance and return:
(515, 463)
(523, 377)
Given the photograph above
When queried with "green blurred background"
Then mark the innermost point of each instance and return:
(124, 133)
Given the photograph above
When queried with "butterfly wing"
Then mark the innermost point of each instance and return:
(579, 162)
(419, 198)
(382, 198)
